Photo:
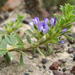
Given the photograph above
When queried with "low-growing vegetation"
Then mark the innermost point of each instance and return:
(42, 33)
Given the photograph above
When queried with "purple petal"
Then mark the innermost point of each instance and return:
(64, 30)
(46, 29)
(46, 20)
(43, 27)
(40, 27)
(36, 20)
(53, 21)
(62, 41)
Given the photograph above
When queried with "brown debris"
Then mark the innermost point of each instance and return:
(55, 65)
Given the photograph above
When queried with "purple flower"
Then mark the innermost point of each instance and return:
(62, 41)
(36, 20)
(53, 21)
(43, 27)
(46, 20)
(64, 30)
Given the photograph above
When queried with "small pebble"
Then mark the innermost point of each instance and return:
(30, 70)
(25, 22)
(1, 20)
(44, 67)
(39, 66)
(68, 44)
(73, 70)
(6, 15)
(55, 72)
(62, 46)
(60, 69)
(71, 41)
(55, 65)
(73, 57)
(62, 61)
(35, 56)
(70, 50)
(64, 69)
(26, 73)
(44, 61)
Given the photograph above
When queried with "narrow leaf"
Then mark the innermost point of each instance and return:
(3, 52)
(7, 58)
(28, 38)
(21, 59)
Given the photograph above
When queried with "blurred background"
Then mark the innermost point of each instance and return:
(40, 8)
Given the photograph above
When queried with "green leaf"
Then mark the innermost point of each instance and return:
(41, 53)
(8, 40)
(14, 40)
(13, 26)
(3, 44)
(33, 34)
(28, 39)
(50, 50)
(0, 39)
(69, 37)
(7, 58)
(3, 52)
(21, 59)
(20, 43)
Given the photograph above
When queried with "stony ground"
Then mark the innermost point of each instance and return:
(37, 65)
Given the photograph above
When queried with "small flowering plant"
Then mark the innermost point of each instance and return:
(51, 29)
(42, 33)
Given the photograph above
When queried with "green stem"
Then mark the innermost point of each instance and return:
(40, 52)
